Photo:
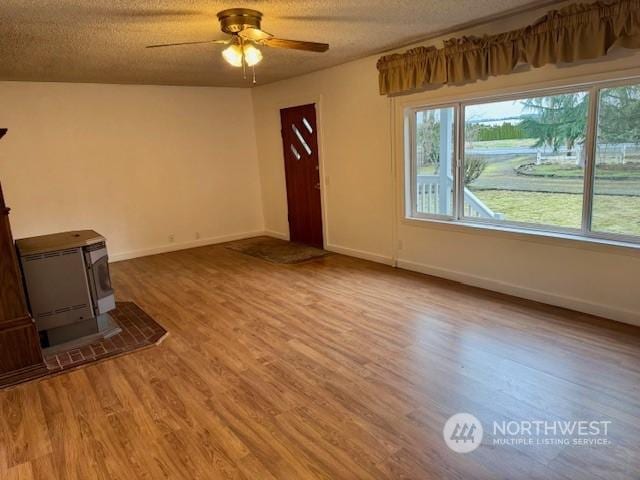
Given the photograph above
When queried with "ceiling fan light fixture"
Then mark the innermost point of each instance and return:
(243, 26)
(252, 55)
(233, 55)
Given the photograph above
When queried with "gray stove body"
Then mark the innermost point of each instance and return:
(67, 283)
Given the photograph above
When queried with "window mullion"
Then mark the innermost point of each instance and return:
(459, 159)
(413, 163)
(590, 159)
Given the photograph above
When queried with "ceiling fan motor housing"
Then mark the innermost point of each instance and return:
(234, 20)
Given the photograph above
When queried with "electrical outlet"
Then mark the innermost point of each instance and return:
(400, 244)
(197, 235)
(171, 238)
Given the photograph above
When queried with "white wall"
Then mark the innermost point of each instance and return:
(354, 154)
(135, 163)
(362, 199)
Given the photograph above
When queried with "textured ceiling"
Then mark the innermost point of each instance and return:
(103, 40)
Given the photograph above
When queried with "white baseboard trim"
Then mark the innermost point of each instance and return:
(352, 252)
(274, 234)
(572, 303)
(173, 247)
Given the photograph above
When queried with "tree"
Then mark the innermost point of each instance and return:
(428, 137)
(619, 115)
(473, 168)
(557, 120)
(504, 131)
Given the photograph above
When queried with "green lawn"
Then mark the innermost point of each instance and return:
(427, 170)
(557, 200)
(612, 214)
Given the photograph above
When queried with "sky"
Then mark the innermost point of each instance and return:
(495, 111)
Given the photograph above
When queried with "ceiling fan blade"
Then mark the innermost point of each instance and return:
(254, 34)
(144, 13)
(324, 18)
(296, 45)
(223, 42)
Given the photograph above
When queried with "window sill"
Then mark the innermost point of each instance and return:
(526, 235)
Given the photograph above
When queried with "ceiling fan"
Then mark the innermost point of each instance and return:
(243, 25)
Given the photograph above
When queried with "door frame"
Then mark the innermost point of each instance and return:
(297, 102)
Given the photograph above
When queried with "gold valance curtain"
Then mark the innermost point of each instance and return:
(576, 32)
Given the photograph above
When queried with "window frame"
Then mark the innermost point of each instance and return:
(584, 232)
(413, 164)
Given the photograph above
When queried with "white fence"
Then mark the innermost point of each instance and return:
(618, 153)
(429, 198)
(606, 153)
(563, 156)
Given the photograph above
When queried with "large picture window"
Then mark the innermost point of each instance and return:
(565, 161)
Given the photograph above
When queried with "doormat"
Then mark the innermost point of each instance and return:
(139, 331)
(276, 251)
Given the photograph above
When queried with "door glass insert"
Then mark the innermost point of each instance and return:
(302, 141)
(295, 152)
(307, 124)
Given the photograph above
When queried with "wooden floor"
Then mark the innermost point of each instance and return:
(333, 369)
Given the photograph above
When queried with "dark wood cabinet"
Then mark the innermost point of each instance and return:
(20, 352)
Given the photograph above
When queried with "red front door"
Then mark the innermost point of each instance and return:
(302, 171)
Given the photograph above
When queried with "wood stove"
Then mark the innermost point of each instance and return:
(68, 286)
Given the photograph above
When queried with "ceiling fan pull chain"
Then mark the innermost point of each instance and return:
(254, 74)
(244, 61)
